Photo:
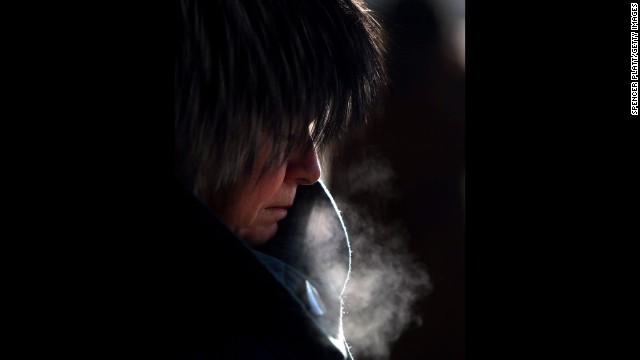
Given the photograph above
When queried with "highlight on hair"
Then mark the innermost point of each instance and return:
(256, 75)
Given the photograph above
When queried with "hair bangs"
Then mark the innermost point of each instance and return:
(323, 64)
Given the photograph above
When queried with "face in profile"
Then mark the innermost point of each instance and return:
(256, 205)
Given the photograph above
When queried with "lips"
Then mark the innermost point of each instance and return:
(277, 213)
(284, 207)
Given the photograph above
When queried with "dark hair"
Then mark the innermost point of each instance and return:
(246, 69)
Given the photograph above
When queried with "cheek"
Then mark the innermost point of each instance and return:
(267, 191)
(247, 208)
(255, 198)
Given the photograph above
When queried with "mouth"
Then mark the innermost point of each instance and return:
(283, 207)
(278, 212)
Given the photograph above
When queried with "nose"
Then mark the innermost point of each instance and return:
(303, 167)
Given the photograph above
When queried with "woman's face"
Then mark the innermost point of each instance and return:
(255, 207)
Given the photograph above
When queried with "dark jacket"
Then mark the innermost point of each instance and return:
(234, 302)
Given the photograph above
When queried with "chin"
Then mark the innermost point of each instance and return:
(260, 235)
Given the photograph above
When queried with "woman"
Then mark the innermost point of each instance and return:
(261, 86)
